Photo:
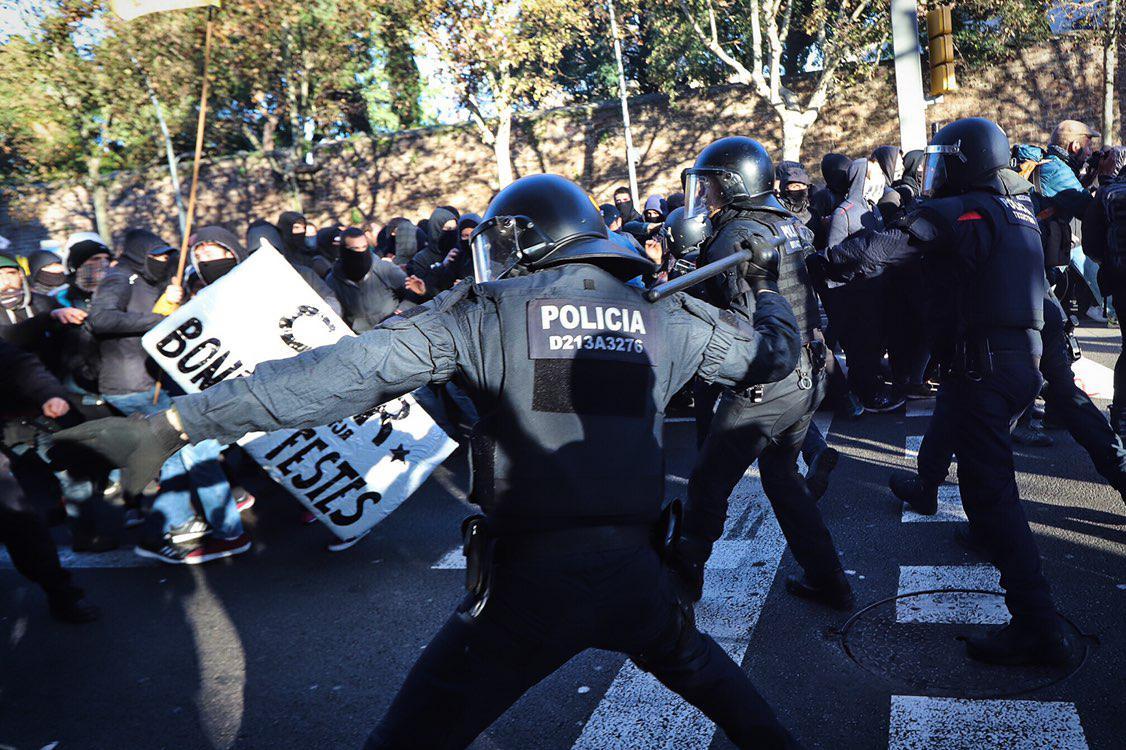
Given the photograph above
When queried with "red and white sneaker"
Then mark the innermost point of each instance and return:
(217, 549)
(245, 503)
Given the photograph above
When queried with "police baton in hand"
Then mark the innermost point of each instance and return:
(703, 273)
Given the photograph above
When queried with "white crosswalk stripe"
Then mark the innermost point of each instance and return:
(950, 607)
(924, 723)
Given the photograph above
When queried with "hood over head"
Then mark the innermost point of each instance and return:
(834, 168)
(438, 218)
(37, 260)
(139, 244)
(857, 173)
(209, 271)
(328, 242)
(405, 241)
(292, 242)
(656, 203)
(886, 156)
(911, 161)
(466, 220)
(259, 230)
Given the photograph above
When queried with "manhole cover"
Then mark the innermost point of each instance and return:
(901, 640)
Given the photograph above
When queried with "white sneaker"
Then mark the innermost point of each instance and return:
(1096, 314)
(343, 544)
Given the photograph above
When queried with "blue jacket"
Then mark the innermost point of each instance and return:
(1056, 180)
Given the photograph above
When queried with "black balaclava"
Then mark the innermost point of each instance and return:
(86, 265)
(355, 263)
(294, 243)
(328, 242)
(45, 282)
(792, 173)
(140, 246)
(211, 271)
(442, 238)
(625, 207)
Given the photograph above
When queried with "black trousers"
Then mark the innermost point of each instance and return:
(24, 532)
(772, 432)
(906, 323)
(1065, 402)
(547, 607)
(972, 419)
(857, 315)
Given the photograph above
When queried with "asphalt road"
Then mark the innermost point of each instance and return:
(292, 647)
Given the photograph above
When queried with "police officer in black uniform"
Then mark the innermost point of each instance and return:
(733, 181)
(570, 369)
(980, 238)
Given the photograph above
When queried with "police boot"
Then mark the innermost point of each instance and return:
(69, 604)
(822, 465)
(1024, 642)
(687, 563)
(921, 496)
(832, 591)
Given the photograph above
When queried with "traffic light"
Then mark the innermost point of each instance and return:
(940, 30)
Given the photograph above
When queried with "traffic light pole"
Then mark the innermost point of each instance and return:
(908, 75)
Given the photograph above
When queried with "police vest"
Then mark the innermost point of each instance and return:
(1008, 287)
(793, 277)
(573, 435)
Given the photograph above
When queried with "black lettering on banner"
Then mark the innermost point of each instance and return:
(301, 482)
(353, 486)
(621, 331)
(292, 439)
(191, 360)
(342, 519)
(173, 344)
(345, 470)
(210, 374)
(315, 444)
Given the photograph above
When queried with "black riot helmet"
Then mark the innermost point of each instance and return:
(685, 234)
(731, 170)
(964, 154)
(543, 220)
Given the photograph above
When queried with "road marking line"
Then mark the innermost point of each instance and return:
(452, 560)
(911, 449)
(964, 609)
(921, 408)
(639, 712)
(949, 507)
(923, 723)
(118, 558)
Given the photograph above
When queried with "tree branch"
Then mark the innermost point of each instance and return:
(711, 42)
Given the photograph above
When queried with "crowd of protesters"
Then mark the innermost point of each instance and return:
(72, 318)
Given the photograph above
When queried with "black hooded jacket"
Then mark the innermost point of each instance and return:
(121, 312)
(890, 203)
(908, 185)
(293, 245)
(373, 298)
(260, 230)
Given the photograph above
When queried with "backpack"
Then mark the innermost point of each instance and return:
(1055, 231)
(1114, 204)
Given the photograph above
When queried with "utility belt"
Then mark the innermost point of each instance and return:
(974, 352)
(811, 361)
(482, 545)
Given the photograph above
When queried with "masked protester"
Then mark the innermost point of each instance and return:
(623, 201)
(406, 240)
(793, 191)
(46, 272)
(887, 161)
(655, 209)
(29, 319)
(292, 228)
(260, 230)
(370, 290)
(908, 184)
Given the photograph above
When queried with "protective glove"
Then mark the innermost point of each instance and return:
(138, 445)
(761, 271)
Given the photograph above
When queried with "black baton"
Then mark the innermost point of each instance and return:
(703, 273)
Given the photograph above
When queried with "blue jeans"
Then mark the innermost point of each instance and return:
(193, 467)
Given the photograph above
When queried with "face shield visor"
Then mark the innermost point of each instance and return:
(500, 243)
(704, 191)
(934, 166)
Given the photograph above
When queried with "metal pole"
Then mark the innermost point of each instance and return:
(169, 153)
(625, 105)
(908, 75)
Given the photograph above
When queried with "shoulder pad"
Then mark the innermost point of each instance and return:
(930, 222)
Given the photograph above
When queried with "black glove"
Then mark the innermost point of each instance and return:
(761, 271)
(138, 445)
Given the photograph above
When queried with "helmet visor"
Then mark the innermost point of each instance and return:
(701, 194)
(934, 166)
(500, 243)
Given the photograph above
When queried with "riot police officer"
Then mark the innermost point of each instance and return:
(570, 369)
(979, 235)
(732, 180)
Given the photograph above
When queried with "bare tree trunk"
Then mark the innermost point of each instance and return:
(502, 147)
(794, 127)
(1110, 72)
(99, 196)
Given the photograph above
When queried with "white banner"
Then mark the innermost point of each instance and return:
(352, 473)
